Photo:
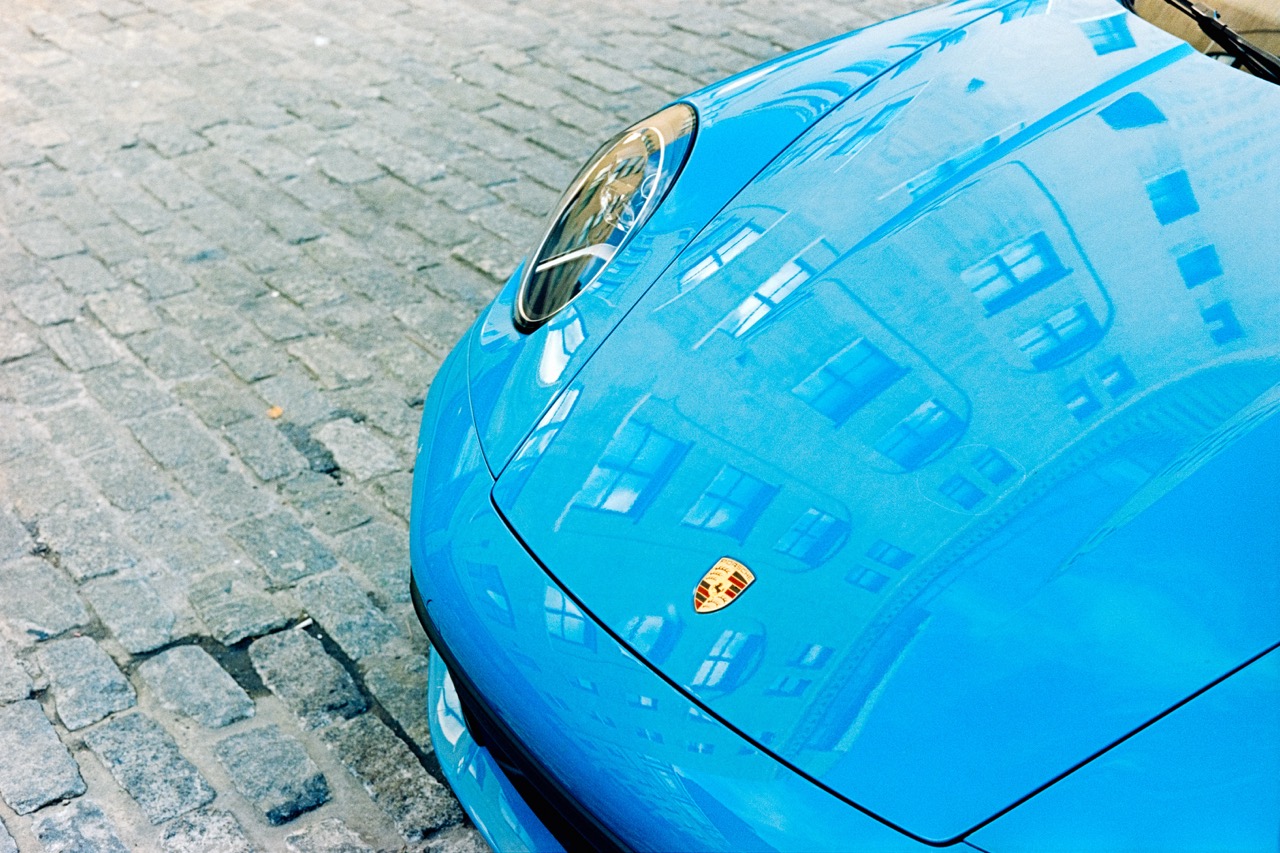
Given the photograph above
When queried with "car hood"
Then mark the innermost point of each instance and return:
(979, 379)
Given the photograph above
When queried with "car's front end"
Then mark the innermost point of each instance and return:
(961, 368)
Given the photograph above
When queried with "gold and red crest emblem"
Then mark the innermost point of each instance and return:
(721, 586)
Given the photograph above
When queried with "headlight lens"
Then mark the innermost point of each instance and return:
(607, 202)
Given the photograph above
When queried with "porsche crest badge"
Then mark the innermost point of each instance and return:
(721, 586)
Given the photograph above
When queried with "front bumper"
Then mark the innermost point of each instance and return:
(565, 710)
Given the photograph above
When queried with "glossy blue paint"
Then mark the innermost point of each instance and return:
(974, 360)
(515, 377)
(622, 740)
(1207, 777)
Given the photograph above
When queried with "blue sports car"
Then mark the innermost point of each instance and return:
(881, 450)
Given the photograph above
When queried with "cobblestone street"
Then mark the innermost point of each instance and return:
(236, 240)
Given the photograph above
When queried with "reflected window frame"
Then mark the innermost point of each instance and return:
(723, 507)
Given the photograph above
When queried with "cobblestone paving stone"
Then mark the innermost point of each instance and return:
(237, 237)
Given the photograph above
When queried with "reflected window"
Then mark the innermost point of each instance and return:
(766, 298)
(1081, 401)
(702, 748)
(646, 702)
(565, 621)
(1116, 377)
(960, 490)
(635, 465)
(812, 657)
(868, 579)
(737, 243)
(1199, 265)
(649, 735)
(1060, 337)
(603, 720)
(720, 668)
(992, 465)
(889, 555)
(586, 684)
(1172, 198)
(731, 504)
(788, 685)
(812, 537)
(920, 434)
(1222, 323)
(1107, 35)
(1133, 110)
(1014, 273)
(850, 380)
(492, 594)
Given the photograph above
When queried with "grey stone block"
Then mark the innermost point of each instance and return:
(349, 617)
(219, 400)
(189, 681)
(273, 771)
(123, 312)
(171, 354)
(389, 771)
(303, 403)
(17, 338)
(37, 601)
(127, 478)
(233, 608)
(15, 541)
(81, 346)
(82, 274)
(145, 760)
(133, 612)
(37, 769)
(400, 686)
(38, 381)
(87, 542)
(264, 449)
(15, 683)
(330, 507)
(126, 391)
(335, 364)
(357, 450)
(457, 839)
(47, 238)
(80, 827)
(86, 684)
(174, 439)
(381, 552)
(299, 671)
(45, 303)
(283, 548)
(206, 831)
(327, 836)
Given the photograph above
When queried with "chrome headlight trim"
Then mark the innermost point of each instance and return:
(606, 203)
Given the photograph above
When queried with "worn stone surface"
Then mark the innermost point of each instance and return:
(273, 771)
(234, 608)
(188, 680)
(15, 682)
(145, 760)
(7, 844)
(357, 450)
(391, 774)
(298, 670)
(137, 616)
(80, 827)
(86, 683)
(400, 686)
(208, 831)
(37, 769)
(283, 548)
(458, 839)
(327, 836)
(36, 601)
(349, 617)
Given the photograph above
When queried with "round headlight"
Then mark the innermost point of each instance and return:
(607, 202)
